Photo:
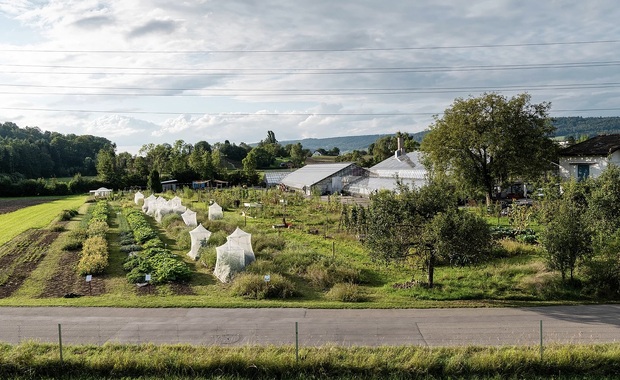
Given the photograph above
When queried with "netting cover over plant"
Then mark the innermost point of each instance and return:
(137, 197)
(189, 217)
(199, 236)
(233, 256)
(215, 211)
(230, 261)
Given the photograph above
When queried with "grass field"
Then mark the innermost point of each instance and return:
(39, 216)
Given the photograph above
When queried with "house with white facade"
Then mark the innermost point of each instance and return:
(589, 158)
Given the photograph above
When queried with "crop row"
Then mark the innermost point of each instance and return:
(22, 254)
(147, 254)
(94, 253)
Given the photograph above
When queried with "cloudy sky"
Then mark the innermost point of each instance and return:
(157, 71)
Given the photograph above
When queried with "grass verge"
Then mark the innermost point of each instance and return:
(33, 360)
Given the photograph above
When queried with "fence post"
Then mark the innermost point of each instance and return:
(60, 342)
(541, 341)
(297, 342)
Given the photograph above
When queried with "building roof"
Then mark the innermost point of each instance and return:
(312, 174)
(404, 166)
(273, 177)
(602, 145)
(367, 186)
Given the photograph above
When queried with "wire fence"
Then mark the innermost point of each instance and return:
(392, 332)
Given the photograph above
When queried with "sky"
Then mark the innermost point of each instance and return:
(139, 72)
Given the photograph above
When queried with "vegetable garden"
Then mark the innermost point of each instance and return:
(314, 259)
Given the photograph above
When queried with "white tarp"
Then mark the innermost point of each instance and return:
(199, 236)
(242, 239)
(137, 197)
(189, 217)
(230, 261)
(215, 211)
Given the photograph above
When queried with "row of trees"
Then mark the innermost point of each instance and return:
(30, 153)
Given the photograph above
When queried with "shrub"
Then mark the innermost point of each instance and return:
(72, 244)
(268, 243)
(254, 286)
(67, 214)
(263, 267)
(346, 292)
(170, 219)
(324, 275)
(208, 257)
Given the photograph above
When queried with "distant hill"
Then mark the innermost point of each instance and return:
(575, 126)
(591, 126)
(345, 143)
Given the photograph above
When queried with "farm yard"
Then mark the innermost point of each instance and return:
(304, 257)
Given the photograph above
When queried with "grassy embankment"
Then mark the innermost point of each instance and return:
(32, 360)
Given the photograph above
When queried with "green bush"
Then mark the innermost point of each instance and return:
(254, 286)
(325, 275)
(263, 267)
(171, 219)
(67, 214)
(268, 243)
(208, 257)
(346, 292)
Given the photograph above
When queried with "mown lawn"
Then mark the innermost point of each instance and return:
(39, 216)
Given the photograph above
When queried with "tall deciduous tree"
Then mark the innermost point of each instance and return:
(487, 140)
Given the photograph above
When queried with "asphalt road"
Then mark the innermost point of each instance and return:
(422, 327)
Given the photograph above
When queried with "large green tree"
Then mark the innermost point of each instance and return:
(425, 225)
(488, 140)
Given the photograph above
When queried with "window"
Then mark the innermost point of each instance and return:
(583, 171)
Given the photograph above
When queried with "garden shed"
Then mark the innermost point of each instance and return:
(101, 192)
(199, 238)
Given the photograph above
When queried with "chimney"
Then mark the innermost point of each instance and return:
(400, 147)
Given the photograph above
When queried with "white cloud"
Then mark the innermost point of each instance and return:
(139, 97)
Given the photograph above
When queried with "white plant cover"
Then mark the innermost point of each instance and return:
(179, 209)
(137, 197)
(175, 202)
(199, 236)
(189, 217)
(230, 261)
(162, 211)
(215, 211)
(147, 202)
(242, 239)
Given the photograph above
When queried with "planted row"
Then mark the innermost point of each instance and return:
(94, 253)
(147, 254)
